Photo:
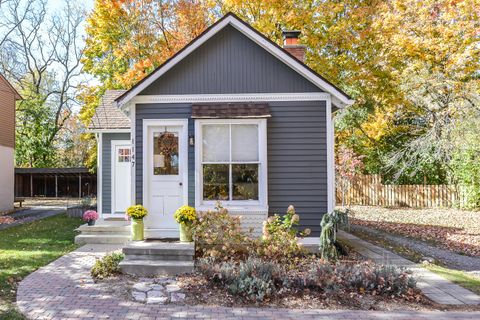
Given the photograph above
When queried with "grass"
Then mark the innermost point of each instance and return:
(461, 278)
(27, 247)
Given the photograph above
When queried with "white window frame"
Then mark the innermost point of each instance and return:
(262, 202)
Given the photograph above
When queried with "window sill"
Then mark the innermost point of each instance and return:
(233, 207)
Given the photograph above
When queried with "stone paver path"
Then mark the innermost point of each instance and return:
(64, 290)
(435, 287)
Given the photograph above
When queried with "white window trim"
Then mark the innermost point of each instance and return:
(262, 203)
(99, 173)
(183, 154)
(114, 144)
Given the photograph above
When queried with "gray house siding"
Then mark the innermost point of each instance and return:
(230, 62)
(162, 111)
(107, 168)
(296, 151)
(297, 160)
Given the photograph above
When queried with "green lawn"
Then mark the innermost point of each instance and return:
(459, 277)
(25, 248)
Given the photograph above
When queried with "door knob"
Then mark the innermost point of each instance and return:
(180, 184)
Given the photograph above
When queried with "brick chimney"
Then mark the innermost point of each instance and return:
(290, 43)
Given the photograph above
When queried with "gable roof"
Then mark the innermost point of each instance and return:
(107, 115)
(13, 90)
(339, 97)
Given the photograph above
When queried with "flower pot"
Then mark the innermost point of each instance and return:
(91, 222)
(137, 230)
(186, 233)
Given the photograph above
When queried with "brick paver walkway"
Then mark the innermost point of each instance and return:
(64, 290)
(435, 287)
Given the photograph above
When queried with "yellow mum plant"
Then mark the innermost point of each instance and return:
(185, 215)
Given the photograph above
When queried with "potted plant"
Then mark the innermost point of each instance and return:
(90, 216)
(186, 216)
(137, 213)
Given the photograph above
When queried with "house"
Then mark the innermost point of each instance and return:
(231, 117)
(8, 98)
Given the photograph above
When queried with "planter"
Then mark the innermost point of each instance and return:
(137, 230)
(186, 233)
(91, 222)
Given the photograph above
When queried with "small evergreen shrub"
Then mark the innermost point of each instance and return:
(107, 266)
(329, 247)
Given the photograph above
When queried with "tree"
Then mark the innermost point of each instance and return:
(348, 166)
(41, 57)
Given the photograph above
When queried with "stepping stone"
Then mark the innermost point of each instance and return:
(142, 286)
(157, 287)
(156, 294)
(177, 296)
(157, 300)
(173, 288)
(139, 296)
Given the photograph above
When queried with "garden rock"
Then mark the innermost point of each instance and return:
(157, 291)
(142, 286)
(139, 296)
(177, 296)
(173, 288)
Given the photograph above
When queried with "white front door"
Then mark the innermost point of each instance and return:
(121, 175)
(166, 165)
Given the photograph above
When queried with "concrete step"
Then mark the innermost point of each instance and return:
(104, 228)
(160, 250)
(102, 239)
(149, 268)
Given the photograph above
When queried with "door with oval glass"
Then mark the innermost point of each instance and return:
(166, 169)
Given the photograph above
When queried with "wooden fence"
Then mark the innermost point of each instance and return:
(368, 190)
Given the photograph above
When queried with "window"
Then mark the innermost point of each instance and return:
(124, 155)
(231, 161)
(165, 153)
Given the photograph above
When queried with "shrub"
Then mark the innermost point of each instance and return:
(137, 212)
(185, 215)
(107, 266)
(362, 278)
(328, 236)
(280, 241)
(253, 279)
(219, 235)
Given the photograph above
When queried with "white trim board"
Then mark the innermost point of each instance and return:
(241, 97)
(99, 173)
(124, 130)
(339, 99)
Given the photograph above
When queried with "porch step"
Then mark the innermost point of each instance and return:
(104, 228)
(150, 268)
(146, 250)
(102, 239)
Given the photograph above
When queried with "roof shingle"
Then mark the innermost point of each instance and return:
(107, 115)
